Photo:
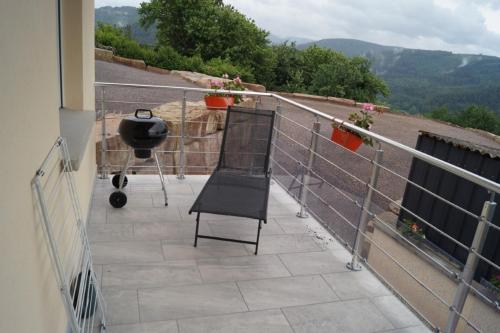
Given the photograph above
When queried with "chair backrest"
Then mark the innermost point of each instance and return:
(246, 143)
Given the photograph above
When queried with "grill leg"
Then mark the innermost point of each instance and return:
(123, 173)
(163, 188)
(197, 227)
(258, 236)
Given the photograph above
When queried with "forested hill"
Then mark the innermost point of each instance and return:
(421, 80)
(123, 17)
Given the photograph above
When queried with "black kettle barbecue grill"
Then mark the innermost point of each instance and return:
(142, 133)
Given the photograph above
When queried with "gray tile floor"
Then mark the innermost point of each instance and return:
(154, 280)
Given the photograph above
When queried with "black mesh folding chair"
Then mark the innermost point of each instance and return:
(239, 186)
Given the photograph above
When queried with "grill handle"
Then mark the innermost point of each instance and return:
(142, 111)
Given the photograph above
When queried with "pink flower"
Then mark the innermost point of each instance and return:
(368, 107)
(237, 80)
(216, 84)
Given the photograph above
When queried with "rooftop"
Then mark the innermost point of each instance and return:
(154, 280)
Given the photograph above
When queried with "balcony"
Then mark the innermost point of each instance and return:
(333, 256)
(153, 277)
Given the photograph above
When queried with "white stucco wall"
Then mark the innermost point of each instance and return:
(29, 124)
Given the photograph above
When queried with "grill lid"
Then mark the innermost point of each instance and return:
(143, 130)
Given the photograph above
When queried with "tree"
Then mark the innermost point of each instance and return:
(349, 78)
(207, 28)
(287, 62)
(440, 113)
(478, 117)
(474, 117)
(107, 35)
(312, 58)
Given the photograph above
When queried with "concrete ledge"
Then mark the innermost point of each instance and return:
(130, 62)
(492, 136)
(104, 55)
(157, 70)
(382, 108)
(254, 87)
(311, 97)
(334, 100)
(342, 101)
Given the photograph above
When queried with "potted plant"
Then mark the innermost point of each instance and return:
(412, 231)
(350, 139)
(218, 100)
(492, 288)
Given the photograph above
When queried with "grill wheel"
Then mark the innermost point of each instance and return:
(118, 199)
(116, 181)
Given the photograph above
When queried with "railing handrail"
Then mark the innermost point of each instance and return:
(205, 90)
(470, 176)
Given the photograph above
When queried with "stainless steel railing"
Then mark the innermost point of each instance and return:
(315, 148)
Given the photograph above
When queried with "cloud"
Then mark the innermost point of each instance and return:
(455, 25)
(465, 26)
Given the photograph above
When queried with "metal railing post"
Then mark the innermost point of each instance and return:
(258, 103)
(277, 122)
(182, 157)
(307, 173)
(470, 265)
(363, 219)
(277, 126)
(104, 143)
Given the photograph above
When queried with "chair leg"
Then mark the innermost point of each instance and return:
(197, 227)
(258, 236)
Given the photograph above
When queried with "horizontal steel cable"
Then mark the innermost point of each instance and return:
(382, 250)
(418, 154)
(488, 261)
(155, 167)
(427, 191)
(324, 224)
(465, 247)
(450, 272)
(317, 175)
(135, 102)
(388, 170)
(484, 297)
(323, 137)
(394, 290)
(323, 158)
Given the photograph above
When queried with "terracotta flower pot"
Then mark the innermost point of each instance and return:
(347, 139)
(218, 102)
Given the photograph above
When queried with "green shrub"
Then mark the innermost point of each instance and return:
(193, 64)
(474, 117)
(168, 58)
(218, 67)
(108, 35)
(349, 78)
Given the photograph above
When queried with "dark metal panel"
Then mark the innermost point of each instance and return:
(461, 192)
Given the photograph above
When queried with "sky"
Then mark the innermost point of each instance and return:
(460, 26)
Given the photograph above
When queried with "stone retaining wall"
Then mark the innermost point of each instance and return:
(334, 100)
(203, 137)
(104, 55)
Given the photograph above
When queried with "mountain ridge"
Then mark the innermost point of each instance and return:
(124, 16)
(422, 80)
(419, 80)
